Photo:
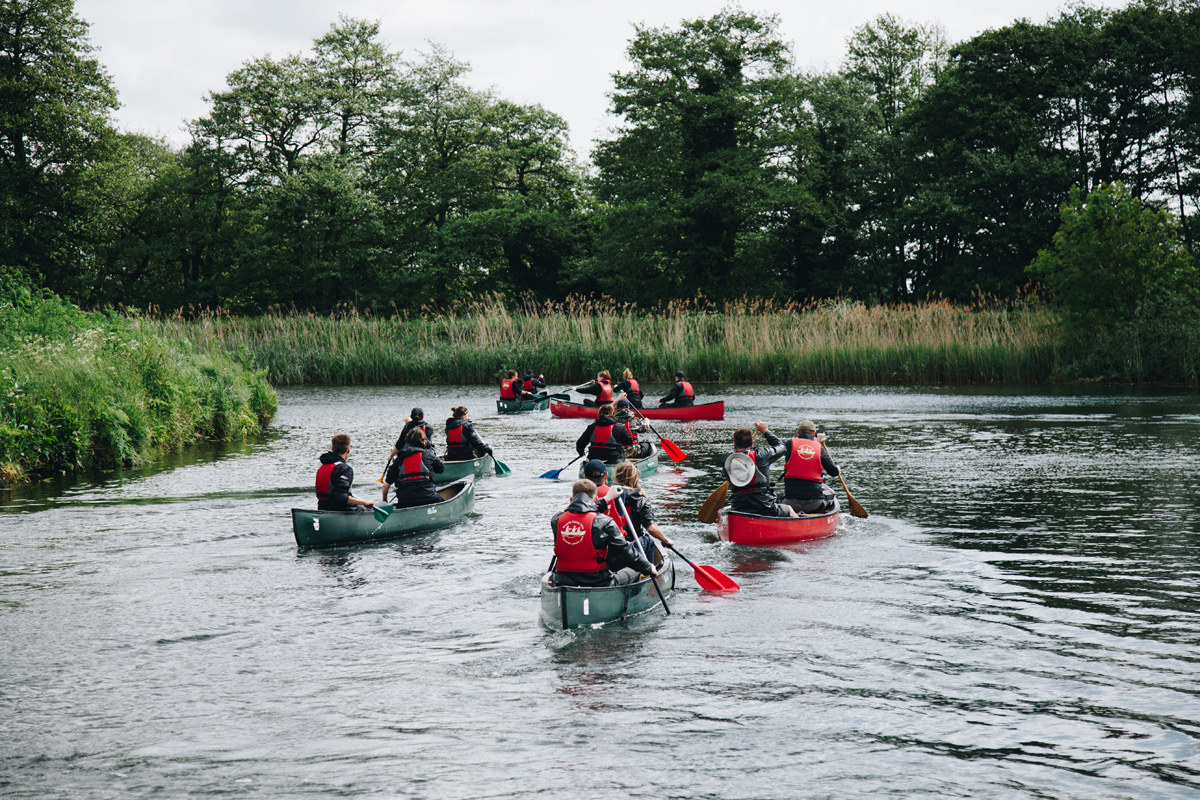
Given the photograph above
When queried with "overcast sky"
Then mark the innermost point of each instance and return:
(165, 55)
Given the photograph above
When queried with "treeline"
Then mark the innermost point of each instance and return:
(355, 175)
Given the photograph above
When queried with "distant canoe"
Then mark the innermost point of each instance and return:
(484, 465)
(739, 528)
(324, 528)
(645, 466)
(517, 406)
(560, 408)
(566, 607)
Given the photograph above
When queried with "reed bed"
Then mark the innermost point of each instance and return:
(750, 341)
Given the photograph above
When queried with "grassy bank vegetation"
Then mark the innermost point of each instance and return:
(84, 389)
(748, 341)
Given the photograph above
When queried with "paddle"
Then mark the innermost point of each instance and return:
(710, 578)
(713, 505)
(673, 451)
(638, 541)
(856, 508)
(381, 511)
(385, 469)
(553, 474)
(502, 469)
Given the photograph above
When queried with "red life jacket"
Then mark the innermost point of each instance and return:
(633, 386)
(804, 461)
(324, 473)
(527, 384)
(506, 389)
(601, 438)
(454, 435)
(606, 394)
(688, 394)
(412, 468)
(618, 517)
(632, 435)
(573, 544)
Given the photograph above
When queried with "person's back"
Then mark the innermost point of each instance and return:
(803, 488)
(335, 478)
(681, 394)
(747, 470)
(462, 442)
(588, 545)
(411, 473)
(604, 439)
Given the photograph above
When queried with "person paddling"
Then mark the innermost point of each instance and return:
(681, 394)
(747, 470)
(604, 439)
(634, 425)
(530, 386)
(510, 386)
(463, 443)
(335, 477)
(601, 388)
(633, 392)
(803, 488)
(411, 472)
(589, 549)
(639, 508)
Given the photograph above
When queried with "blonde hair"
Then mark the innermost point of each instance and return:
(604, 374)
(627, 475)
(627, 374)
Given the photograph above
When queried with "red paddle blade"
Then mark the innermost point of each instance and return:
(714, 580)
(673, 451)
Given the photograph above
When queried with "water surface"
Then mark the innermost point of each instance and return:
(1018, 618)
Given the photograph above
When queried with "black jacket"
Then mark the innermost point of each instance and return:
(340, 482)
(471, 443)
(632, 396)
(800, 489)
(758, 496)
(605, 534)
(676, 394)
(640, 512)
(408, 426)
(429, 461)
(609, 453)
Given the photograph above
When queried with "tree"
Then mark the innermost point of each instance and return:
(55, 101)
(685, 178)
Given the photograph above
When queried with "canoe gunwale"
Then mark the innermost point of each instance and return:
(762, 531)
(561, 619)
(456, 493)
(701, 411)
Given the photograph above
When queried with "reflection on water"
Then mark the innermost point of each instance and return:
(1017, 618)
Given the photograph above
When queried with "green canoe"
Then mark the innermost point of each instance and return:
(484, 465)
(517, 406)
(578, 606)
(321, 528)
(645, 466)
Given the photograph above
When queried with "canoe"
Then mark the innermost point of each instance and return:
(566, 607)
(517, 406)
(645, 466)
(322, 528)
(560, 408)
(739, 528)
(484, 465)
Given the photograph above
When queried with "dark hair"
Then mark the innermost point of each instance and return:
(608, 409)
(743, 437)
(417, 436)
(459, 411)
(583, 485)
(604, 374)
(340, 444)
(512, 373)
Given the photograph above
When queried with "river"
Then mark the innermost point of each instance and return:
(1018, 618)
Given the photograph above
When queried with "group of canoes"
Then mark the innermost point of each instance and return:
(610, 556)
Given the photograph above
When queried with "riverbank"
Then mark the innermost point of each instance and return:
(92, 390)
(750, 342)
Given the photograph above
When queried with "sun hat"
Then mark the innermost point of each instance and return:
(741, 469)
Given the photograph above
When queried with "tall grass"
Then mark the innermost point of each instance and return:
(81, 389)
(747, 341)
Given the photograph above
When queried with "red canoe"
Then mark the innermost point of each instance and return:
(733, 526)
(716, 410)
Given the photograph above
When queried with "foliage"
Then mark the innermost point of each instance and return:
(1129, 288)
(83, 389)
(736, 341)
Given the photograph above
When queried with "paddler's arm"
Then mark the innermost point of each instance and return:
(583, 441)
(606, 534)
(433, 462)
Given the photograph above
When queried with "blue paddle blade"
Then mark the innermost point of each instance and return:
(552, 474)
